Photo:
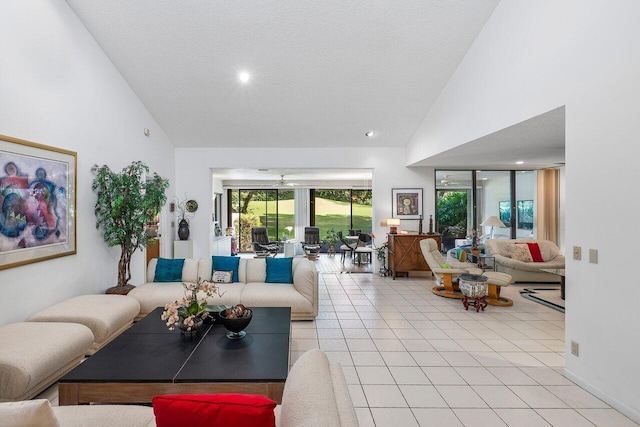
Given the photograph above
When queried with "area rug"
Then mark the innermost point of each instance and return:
(549, 297)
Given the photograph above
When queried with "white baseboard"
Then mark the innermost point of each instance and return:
(614, 403)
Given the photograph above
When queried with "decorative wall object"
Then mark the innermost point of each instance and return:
(407, 203)
(505, 213)
(525, 214)
(37, 202)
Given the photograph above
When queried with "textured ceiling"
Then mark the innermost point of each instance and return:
(539, 142)
(323, 72)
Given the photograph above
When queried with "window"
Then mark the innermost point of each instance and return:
(273, 209)
(464, 199)
(341, 210)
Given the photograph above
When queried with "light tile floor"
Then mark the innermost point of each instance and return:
(412, 358)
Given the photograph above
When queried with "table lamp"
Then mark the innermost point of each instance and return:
(393, 224)
(492, 221)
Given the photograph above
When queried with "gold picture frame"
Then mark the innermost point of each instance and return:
(37, 202)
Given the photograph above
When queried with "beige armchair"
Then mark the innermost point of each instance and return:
(446, 277)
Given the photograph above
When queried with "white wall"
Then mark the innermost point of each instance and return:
(530, 58)
(193, 167)
(57, 88)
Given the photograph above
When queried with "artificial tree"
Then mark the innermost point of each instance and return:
(126, 202)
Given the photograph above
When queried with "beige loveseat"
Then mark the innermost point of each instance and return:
(315, 394)
(521, 271)
(251, 290)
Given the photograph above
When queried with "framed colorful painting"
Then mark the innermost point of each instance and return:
(407, 203)
(525, 214)
(505, 212)
(37, 202)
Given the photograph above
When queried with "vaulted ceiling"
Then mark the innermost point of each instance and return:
(321, 74)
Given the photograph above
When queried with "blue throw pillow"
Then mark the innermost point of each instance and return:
(169, 270)
(279, 270)
(226, 263)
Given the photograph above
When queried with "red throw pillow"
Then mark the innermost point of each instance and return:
(200, 410)
(535, 252)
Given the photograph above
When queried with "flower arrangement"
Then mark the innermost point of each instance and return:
(191, 306)
(181, 212)
(381, 251)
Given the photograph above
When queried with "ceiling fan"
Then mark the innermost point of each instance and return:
(283, 183)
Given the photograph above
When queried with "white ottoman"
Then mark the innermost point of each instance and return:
(106, 315)
(35, 355)
(495, 283)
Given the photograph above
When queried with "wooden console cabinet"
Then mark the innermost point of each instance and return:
(405, 254)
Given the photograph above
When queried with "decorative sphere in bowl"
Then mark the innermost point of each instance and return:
(235, 320)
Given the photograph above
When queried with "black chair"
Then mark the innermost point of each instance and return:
(262, 246)
(364, 248)
(346, 247)
(311, 245)
(353, 232)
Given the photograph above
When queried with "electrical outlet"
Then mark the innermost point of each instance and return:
(575, 349)
(593, 256)
(577, 253)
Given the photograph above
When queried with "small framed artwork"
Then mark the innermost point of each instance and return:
(505, 212)
(37, 202)
(525, 214)
(407, 203)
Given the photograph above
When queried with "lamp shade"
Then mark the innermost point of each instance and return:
(492, 221)
(393, 224)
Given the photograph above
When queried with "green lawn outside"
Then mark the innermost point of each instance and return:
(329, 214)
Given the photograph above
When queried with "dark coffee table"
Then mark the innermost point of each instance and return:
(148, 360)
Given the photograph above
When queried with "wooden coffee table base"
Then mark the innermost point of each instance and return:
(85, 393)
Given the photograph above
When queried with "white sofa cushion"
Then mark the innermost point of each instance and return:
(28, 413)
(105, 416)
(106, 315)
(313, 398)
(256, 270)
(25, 372)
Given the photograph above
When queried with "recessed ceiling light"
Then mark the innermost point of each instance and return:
(370, 133)
(519, 162)
(244, 77)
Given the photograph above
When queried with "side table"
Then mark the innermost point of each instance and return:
(485, 262)
(474, 291)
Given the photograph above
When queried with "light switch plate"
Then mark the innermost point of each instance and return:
(577, 253)
(593, 256)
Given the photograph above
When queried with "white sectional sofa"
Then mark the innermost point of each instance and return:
(315, 394)
(521, 271)
(251, 290)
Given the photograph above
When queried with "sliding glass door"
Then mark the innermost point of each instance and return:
(341, 210)
(273, 209)
(498, 204)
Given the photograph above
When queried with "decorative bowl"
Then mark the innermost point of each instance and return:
(236, 325)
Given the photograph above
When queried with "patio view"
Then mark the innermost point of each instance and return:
(337, 209)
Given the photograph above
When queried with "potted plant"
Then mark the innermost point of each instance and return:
(189, 312)
(331, 238)
(126, 202)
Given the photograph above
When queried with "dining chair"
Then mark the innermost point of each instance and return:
(346, 247)
(364, 248)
